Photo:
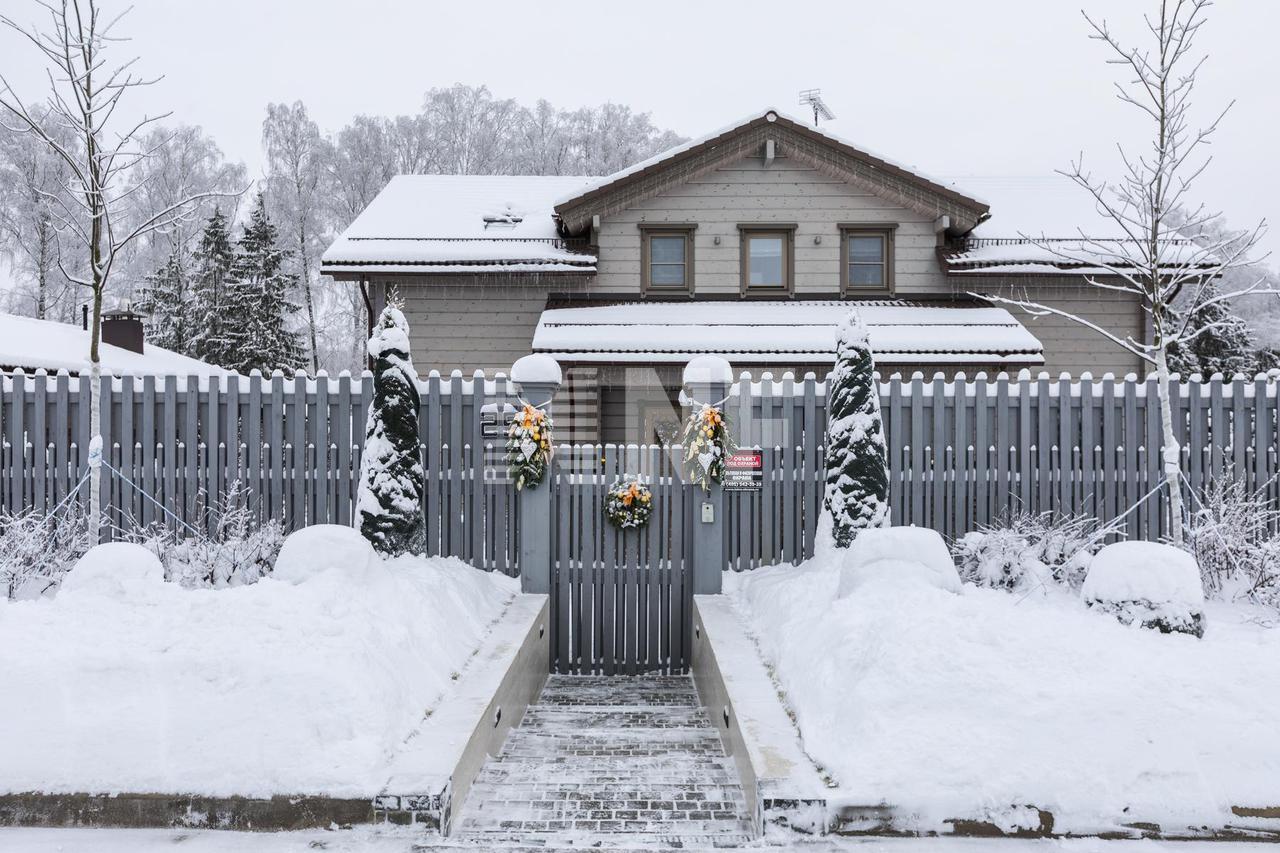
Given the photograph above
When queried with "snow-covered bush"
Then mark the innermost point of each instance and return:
(115, 570)
(1230, 535)
(1155, 585)
(37, 550)
(392, 481)
(913, 554)
(857, 491)
(228, 547)
(320, 547)
(1029, 551)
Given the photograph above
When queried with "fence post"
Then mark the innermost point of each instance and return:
(706, 381)
(536, 377)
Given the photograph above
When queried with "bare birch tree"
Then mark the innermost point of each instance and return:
(85, 96)
(1152, 207)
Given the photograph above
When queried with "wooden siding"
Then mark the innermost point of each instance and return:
(786, 192)
(477, 322)
(1070, 347)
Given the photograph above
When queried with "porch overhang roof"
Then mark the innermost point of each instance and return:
(902, 332)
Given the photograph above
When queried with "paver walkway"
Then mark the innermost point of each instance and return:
(610, 761)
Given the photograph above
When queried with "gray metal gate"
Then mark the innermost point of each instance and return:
(621, 600)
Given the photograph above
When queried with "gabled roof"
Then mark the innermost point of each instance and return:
(902, 332)
(443, 223)
(826, 151)
(32, 344)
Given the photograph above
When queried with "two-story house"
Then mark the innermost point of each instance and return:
(750, 242)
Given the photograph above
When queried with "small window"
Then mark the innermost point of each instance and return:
(866, 260)
(667, 259)
(766, 260)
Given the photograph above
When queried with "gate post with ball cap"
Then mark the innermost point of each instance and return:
(537, 377)
(706, 383)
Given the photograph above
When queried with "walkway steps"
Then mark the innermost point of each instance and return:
(616, 762)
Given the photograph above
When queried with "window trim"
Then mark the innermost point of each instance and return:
(887, 232)
(648, 230)
(747, 230)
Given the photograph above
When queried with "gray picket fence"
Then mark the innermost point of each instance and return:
(288, 447)
(962, 453)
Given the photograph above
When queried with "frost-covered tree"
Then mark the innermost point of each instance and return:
(32, 176)
(389, 503)
(857, 493)
(297, 157)
(164, 304)
(103, 146)
(1152, 208)
(211, 269)
(256, 308)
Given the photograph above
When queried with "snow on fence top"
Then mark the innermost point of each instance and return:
(460, 220)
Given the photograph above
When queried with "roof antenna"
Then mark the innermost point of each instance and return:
(813, 98)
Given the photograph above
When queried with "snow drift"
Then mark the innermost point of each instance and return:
(970, 705)
(302, 684)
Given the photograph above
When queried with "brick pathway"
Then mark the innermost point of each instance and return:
(610, 761)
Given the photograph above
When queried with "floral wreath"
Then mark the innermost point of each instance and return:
(628, 504)
(706, 446)
(529, 446)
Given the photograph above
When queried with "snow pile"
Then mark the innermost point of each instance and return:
(301, 685)
(895, 555)
(1157, 586)
(947, 705)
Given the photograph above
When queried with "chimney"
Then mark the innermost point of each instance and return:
(122, 327)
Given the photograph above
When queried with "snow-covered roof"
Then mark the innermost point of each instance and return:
(32, 344)
(1036, 226)
(594, 184)
(1102, 256)
(799, 332)
(478, 222)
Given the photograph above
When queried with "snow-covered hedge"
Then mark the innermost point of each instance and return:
(1029, 551)
(37, 550)
(1230, 534)
(1153, 585)
(227, 547)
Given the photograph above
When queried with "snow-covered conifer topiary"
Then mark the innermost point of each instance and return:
(857, 494)
(1154, 585)
(389, 504)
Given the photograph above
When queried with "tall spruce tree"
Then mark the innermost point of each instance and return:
(164, 304)
(857, 494)
(256, 306)
(1223, 345)
(212, 262)
(389, 503)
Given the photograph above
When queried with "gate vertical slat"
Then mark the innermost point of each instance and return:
(343, 484)
(811, 468)
(61, 436)
(39, 439)
(609, 565)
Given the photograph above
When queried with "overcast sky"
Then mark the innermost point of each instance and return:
(1007, 88)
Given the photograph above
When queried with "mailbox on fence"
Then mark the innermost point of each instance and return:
(744, 471)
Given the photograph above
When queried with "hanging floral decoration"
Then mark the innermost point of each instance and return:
(529, 446)
(628, 504)
(706, 446)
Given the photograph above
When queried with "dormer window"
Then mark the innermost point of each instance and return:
(666, 258)
(866, 259)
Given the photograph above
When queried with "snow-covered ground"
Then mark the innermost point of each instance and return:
(385, 840)
(963, 705)
(304, 683)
